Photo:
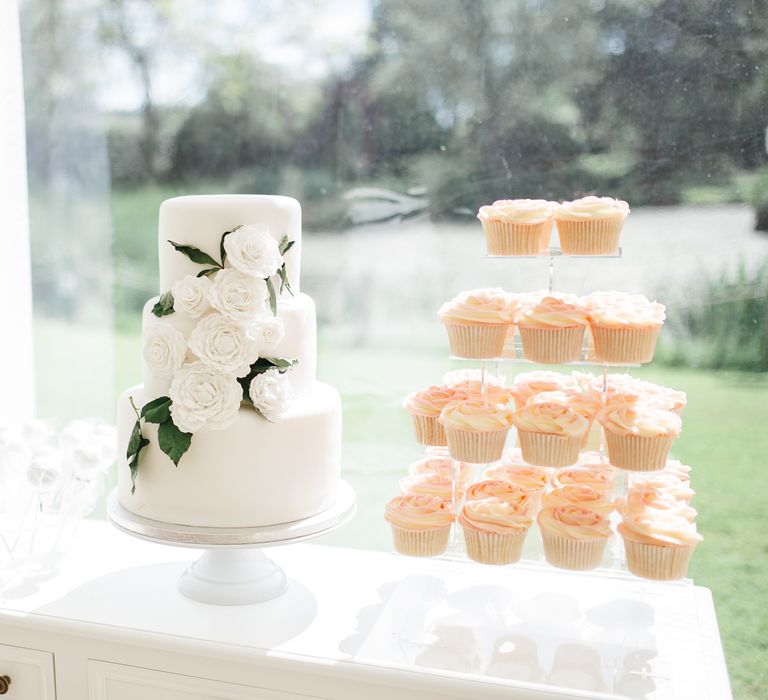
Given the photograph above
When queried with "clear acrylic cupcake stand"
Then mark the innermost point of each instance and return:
(615, 562)
(233, 569)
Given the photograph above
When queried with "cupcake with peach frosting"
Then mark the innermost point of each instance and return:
(639, 499)
(420, 524)
(435, 484)
(444, 467)
(532, 478)
(476, 431)
(579, 402)
(477, 322)
(658, 543)
(639, 438)
(625, 327)
(574, 537)
(496, 488)
(494, 530)
(678, 469)
(582, 495)
(598, 478)
(552, 331)
(424, 408)
(550, 434)
(665, 482)
(474, 389)
(526, 384)
(591, 225)
(517, 226)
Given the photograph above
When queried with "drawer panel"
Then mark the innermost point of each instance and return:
(109, 681)
(30, 671)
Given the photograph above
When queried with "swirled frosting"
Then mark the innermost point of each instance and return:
(640, 499)
(552, 312)
(526, 384)
(621, 310)
(473, 389)
(592, 208)
(505, 490)
(476, 416)
(582, 495)
(525, 475)
(631, 400)
(479, 306)
(641, 420)
(417, 512)
(600, 479)
(434, 484)
(574, 522)
(659, 527)
(580, 403)
(442, 466)
(430, 401)
(494, 515)
(518, 211)
(551, 418)
(678, 469)
(664, 482)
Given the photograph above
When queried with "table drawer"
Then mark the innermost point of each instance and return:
(109, 681)
(30, 673)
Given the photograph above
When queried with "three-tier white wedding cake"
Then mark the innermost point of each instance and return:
(231, 427)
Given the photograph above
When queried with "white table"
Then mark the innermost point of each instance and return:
(354, 625)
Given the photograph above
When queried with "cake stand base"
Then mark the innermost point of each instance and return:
(233, 570)
(233, 577)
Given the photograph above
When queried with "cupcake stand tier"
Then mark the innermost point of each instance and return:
(233, 569)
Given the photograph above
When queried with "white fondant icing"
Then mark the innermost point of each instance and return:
(200, 221)
(300, 342)
(252, 474)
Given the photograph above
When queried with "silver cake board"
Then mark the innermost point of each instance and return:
(234, 570)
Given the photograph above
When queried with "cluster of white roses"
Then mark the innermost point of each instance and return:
(234, 329)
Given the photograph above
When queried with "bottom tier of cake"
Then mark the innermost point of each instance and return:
(252, 474)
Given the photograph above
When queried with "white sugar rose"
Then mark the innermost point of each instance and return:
(268, 331)
(164, 349)
(191, 295)
(224, 344)
(269, 393)
(252, 250)
(238, 295)
(204, 398)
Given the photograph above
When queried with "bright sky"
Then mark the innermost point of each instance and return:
(308, 37)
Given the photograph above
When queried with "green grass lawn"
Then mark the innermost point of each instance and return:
(724, 439)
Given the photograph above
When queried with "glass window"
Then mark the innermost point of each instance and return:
(392, 122)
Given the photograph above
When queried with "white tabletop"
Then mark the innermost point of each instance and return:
(587, 635)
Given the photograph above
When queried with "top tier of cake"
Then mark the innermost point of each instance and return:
(200, 221)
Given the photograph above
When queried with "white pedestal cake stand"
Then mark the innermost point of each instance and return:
(234, 570)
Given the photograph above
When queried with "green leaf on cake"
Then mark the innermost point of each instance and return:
(172, 441)
(136, 443)
(259, 367)
(282, 364)
(164, 305)
(272, 295)
(285, 245)
(208, 271)
(195, 254)
(223, 252)
(284, 284)
(157, 411)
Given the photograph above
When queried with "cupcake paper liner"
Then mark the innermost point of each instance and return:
(505, 238)
(428, 430)
(493, 548)
(476, 447)
(659, 562)
(590, 236)
(628, 345)
(421, 543)
(477, 342)
(636, 453)
(567, 553)
(552, 346)
(546, 450)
